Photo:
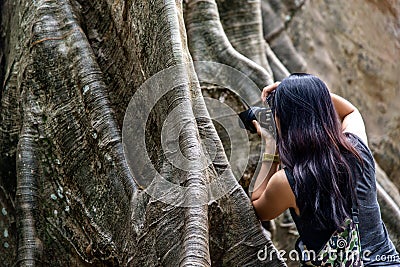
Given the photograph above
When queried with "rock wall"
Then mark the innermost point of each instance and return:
(355, 47)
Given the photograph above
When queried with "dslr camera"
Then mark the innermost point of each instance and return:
(264, 116)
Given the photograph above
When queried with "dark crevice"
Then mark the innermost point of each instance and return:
(2, 51)
(293, 9)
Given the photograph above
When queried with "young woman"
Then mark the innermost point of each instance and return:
(323, 145)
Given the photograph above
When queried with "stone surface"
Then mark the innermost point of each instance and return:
(355, 47)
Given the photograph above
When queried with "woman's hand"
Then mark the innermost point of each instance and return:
(267, 90)
(270, 144)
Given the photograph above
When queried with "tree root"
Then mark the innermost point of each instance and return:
(208, 42)
(279, 41)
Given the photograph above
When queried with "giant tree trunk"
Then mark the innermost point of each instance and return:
(74, 188)
(69, 72)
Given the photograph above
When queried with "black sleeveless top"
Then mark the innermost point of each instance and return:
(375, 241)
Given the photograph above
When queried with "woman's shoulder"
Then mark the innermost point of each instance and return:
(354, 139)
(359, 145)
(280, 177)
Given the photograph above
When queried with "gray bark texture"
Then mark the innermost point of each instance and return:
(68, 70)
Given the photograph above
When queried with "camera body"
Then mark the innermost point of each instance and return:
(264, 116)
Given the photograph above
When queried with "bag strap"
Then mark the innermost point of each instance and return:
(354, 202)
(354, 214)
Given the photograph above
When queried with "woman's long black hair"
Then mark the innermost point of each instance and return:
(312, 145)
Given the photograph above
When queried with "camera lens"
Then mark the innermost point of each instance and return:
(262, 115)
(246, 119)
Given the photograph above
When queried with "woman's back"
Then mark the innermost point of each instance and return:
(375, 242)
(376, 246)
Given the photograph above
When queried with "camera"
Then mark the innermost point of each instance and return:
(264, 116)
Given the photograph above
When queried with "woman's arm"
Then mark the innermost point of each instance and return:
(267, 168)
(350, 117)
(272, 194)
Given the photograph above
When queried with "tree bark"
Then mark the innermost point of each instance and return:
(68, 74)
